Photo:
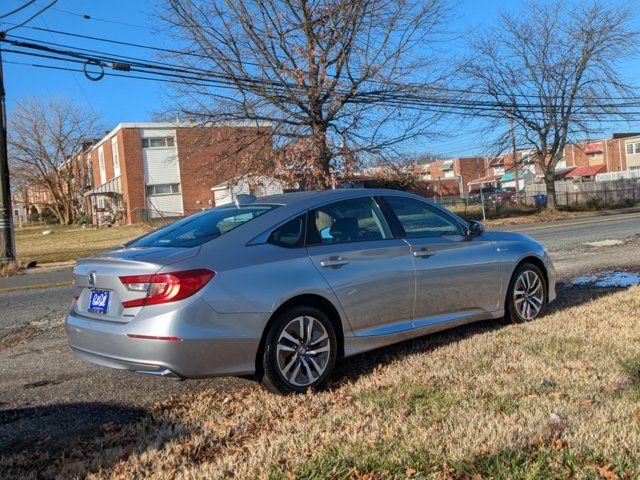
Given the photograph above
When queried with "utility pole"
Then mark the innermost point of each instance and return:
(7, 245)
(515, 160)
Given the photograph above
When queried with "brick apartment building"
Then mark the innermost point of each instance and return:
(620, 153)
(450, 177)
(151, 170)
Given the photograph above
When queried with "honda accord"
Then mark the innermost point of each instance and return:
(282, 287)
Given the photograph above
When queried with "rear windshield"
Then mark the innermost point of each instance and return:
(202, 227)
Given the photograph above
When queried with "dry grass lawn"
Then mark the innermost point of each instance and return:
(555, 398)
(68, 242)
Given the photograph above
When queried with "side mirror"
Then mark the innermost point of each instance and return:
(475, 229)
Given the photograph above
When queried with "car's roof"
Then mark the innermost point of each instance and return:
(293, 198)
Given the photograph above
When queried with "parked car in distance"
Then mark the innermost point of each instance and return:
(492, 194)
(282, 287)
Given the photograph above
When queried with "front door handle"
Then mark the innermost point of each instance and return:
(423, 252)
(334, 262)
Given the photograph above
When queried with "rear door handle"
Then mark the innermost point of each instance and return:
(334, 262)
(424, 252)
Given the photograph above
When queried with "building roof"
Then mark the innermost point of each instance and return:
(484, 180)
(149, 125)
(586, 171)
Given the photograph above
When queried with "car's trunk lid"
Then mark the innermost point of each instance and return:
(101, 274)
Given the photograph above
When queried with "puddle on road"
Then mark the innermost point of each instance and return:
(608, 278)
(604, 243)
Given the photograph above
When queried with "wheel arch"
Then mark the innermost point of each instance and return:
(533, 259)
(308, 299)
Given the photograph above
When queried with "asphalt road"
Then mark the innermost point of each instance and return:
(46, 394)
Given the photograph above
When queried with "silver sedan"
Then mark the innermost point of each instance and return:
(284, 286)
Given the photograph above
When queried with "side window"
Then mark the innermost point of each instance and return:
(420, 220)
(289, 235)
(353, 220)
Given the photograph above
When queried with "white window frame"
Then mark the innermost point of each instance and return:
(115, 154)
(103, 170)
(165, 139)
(175, 189)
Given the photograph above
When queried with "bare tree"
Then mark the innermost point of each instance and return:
(551, 70)
(43, 138)
(330, 71)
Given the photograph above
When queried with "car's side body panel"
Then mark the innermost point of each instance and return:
(374, 272)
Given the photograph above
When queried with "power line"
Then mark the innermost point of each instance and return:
(39, 12)
(97, 19)
(200, 75)
(438, 106)
(197, 55)
(17, 9)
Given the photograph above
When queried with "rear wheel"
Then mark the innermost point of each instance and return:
(300, 351)
(527, 294)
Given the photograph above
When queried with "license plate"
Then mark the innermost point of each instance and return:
(99, 301)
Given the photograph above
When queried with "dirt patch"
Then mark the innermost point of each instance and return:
(11, 268)
(28, 332)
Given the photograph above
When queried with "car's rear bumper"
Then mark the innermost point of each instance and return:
(204, 349)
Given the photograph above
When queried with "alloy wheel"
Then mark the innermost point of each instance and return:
(303, 350)
(528, 294)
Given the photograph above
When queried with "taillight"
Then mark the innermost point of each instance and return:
(165, 287)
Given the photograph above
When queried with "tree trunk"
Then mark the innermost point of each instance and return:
(322, 153)
(549, 180)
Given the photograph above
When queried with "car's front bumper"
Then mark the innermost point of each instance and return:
(551, 278)
(210, 344)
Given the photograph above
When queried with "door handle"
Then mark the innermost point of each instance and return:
(334, 262)
(424, 252)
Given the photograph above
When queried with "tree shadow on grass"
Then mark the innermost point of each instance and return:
(351, 368)
(70, 439)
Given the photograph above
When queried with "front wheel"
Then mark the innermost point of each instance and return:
(300, 351)
(527, 294)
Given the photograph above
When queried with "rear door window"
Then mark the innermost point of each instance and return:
(353, 220)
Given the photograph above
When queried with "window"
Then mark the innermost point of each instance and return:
(633, 148)
(163, 189)
(353, 220)
(291, 234)
(103, 172)
(595, 158)
(116, 157)
(158, 142)
(421, 220)
(89, 170)
(202, 227)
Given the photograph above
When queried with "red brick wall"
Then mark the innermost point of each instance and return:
(469, 168)
(436, 188)
(434, 170)
(209, 156)
(131, 173)
(614, 152)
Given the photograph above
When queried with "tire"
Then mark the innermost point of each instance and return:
(293, 361)
(527, 294)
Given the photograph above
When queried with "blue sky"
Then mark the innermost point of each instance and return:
(120, 100)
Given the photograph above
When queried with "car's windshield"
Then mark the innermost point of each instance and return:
(202, 227)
